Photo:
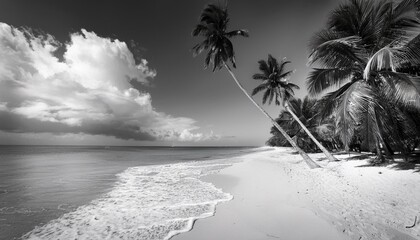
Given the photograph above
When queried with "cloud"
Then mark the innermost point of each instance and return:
(88, 92)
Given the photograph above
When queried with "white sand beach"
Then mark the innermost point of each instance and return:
(276, 196)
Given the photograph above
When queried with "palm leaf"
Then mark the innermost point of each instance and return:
(356, 99)
(404, 15)
(293, 86)
(265, 96)
(259, 88)
(200, 30)
(263, 66)
(336, 52)
(382, 59)
(197, 49)
(320, 79)
(259, 76)
(403, 88)
(242, 32)
(409, 53)
(272, 94)
(283, 64)
(330, 100)
(284, 76)
(272, 64)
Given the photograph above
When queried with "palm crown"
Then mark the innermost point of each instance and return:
(274, 78)
(213, 27)
(369, 41)
(367, 51)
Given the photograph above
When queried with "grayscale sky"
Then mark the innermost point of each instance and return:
(85, 87)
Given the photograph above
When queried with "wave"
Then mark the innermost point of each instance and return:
(147, 202)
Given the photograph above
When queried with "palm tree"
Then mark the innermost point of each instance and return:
(275, 84)
(307, 112)
(365, 56)
(213, 27)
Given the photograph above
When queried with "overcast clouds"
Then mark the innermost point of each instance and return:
(88, 92)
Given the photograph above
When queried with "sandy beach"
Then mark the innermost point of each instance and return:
(276, 196)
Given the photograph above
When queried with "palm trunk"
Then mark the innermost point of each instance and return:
(330, 157)
(305, 156)
(380, 157)
(380, 136)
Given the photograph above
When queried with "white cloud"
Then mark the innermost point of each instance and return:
(88, 92)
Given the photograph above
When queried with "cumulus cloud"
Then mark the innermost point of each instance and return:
(88, 92)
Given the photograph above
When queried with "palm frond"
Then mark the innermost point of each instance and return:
(336, 52)
(208, 59)
(320, 79)
(403, 88)
(265, 96)
(330, 100)
(352, 102)
(404, 15)
(200, 30)
(272, 63)
(259, 76)
(197, 49)
(288, 94)
(409, 53)
(242, 32)
(293, 86)
(382, 59)
(347, 17)
(272, 94)
(263, 66)
(259, 88)
(228, 51)
(284, 76)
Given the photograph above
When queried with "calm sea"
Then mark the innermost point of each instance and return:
(73, 192)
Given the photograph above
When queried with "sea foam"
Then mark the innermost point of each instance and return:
(147, 202)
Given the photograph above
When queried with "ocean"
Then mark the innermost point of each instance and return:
(73, 192)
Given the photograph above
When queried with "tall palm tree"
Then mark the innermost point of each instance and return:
(275, 84)
(365, 55)
(213, 27)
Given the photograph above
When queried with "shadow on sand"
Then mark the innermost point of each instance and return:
(411, 162)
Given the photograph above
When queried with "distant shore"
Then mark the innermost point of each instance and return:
(276, 196)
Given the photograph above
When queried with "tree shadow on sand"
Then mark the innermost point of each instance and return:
(400, 162)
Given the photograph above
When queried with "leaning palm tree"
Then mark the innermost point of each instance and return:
(308, 113)
(366, 56)
(276, 87)
(213, 27)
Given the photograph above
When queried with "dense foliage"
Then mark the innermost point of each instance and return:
(308, 113)
(368, 57)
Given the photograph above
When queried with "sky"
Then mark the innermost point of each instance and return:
(122, 72)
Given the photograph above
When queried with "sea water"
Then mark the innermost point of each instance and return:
(50, 192)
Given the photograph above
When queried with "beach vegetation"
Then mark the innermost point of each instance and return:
(365, 67)
(307, 112)
(276, 86)
(213, 27)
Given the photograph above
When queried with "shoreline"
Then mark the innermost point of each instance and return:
(263, 207)
(276, 196)
(73, 195)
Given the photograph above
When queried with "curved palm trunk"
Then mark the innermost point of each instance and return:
(323, 149)
(305, 156)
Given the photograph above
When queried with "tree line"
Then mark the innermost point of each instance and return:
(365, 73)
